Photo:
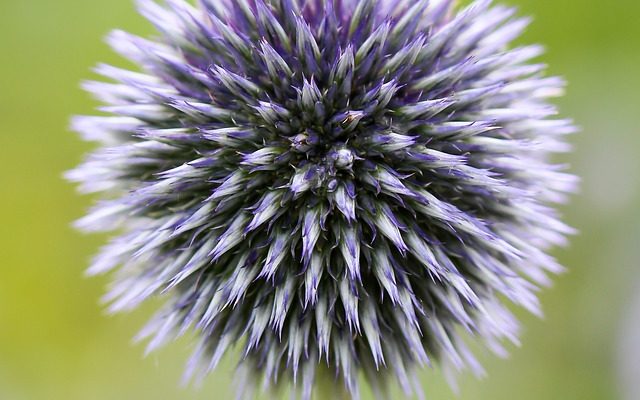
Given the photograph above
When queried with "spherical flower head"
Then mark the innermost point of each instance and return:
(340, 185)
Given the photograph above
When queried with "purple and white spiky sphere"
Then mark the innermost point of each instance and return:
(345, 182)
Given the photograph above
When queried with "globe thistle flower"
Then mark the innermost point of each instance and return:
(352, 185)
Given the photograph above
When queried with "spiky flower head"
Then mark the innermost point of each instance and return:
(339, 182)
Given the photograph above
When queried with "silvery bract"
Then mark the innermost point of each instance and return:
(352, 183)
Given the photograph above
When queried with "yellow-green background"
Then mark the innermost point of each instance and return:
(56, 342)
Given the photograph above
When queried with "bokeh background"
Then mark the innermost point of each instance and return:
(57, 343)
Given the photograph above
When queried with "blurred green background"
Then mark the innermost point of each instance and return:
(56, 342)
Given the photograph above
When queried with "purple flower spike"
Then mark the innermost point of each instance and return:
(345, 182)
